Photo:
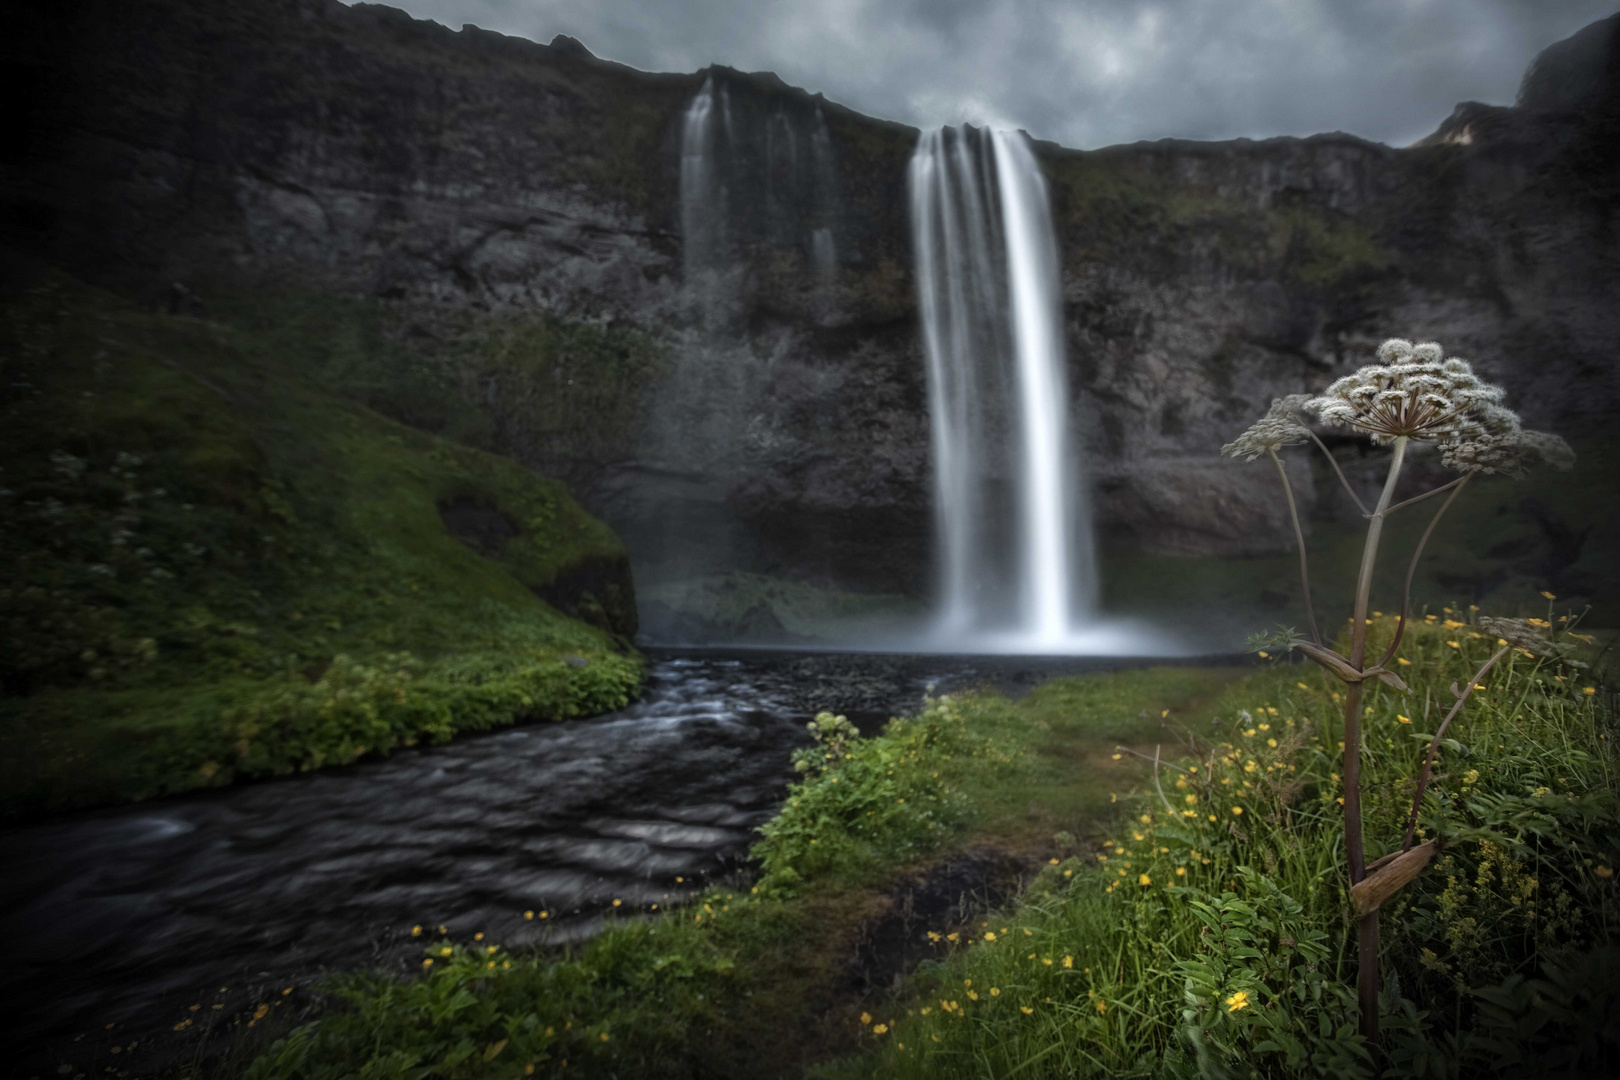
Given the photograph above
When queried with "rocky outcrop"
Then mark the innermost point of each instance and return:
(441, 173)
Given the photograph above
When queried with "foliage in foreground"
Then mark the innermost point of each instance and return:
(1183, 946)
(1212, 935)
(212, 567)
(683, 994)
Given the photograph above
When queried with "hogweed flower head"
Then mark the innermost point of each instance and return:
(1273, 431)
(1511, 452)
(1415, 393)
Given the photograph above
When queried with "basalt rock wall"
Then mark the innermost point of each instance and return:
(451, 178)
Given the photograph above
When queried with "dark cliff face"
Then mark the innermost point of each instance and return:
(462, 179)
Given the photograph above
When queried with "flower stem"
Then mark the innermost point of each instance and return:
(1411, 569)
(1299, 537)
(1459, 482)
(1333, 461)
(1434, 744)
(1355, 851)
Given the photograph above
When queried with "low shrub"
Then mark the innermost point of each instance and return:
(890, 799)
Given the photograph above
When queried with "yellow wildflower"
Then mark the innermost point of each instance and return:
(1237, 1001)
(1144, 880)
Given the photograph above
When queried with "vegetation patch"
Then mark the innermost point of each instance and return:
(1212, 935)
(766, 978)
(1196, 922)
(214, 568)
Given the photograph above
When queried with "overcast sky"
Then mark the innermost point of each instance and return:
(1086, 73)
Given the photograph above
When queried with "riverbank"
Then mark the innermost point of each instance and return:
(737, 982)
(987, 887)
(215, 567)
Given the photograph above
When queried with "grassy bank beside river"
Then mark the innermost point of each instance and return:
(1196, 925)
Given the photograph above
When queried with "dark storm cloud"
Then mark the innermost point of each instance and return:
(1087, 73)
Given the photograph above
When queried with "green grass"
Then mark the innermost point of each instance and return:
(1126, 954)
(748, 981)
(215, 567)
(1129, 962)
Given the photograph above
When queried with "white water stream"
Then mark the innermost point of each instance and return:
(1018, 568)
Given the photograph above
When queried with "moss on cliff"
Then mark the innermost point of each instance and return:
(554, 385)
(1109, 207)
(214, 567)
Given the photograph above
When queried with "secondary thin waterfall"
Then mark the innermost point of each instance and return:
(988, 289)
(703, 195)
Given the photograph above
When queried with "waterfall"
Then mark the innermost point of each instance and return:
(824, 181)
(758, 171)
(990, 306)
(703, 196)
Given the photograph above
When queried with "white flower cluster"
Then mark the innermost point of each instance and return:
(1415, 393)
(1273, 431)
(1510, 452)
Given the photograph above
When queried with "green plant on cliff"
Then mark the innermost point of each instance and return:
(213, 567)
(1413, 395)
(556, 385)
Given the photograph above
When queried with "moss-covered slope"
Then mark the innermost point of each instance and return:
(213, 567)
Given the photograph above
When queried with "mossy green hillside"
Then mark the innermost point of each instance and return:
(511, 383)
(213, 567)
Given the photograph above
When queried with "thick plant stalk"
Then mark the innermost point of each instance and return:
(1299, 538)
(1434, 744)
(1355, 851)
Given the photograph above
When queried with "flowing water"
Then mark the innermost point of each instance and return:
(989, 295)
(128, 916)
